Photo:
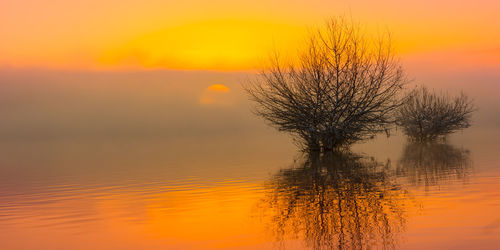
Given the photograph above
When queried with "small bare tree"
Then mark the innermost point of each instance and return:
(426, 115)
(342, 88)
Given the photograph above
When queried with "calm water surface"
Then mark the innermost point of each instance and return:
(155, 160)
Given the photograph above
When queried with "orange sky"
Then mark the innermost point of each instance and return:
(227, 34)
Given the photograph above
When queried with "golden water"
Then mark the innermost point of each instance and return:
(137, 161)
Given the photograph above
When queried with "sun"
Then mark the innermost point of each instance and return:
(218, 88)
(217, 94)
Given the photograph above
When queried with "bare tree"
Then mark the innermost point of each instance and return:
(342, 88)
(426, 115)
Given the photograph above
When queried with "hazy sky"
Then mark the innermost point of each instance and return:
(228, 34)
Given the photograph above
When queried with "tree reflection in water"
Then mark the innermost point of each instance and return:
(433, 163)
(336, 200)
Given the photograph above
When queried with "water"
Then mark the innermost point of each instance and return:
(110, 160)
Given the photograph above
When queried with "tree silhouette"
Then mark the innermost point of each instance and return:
(342, 88)
(426, 115)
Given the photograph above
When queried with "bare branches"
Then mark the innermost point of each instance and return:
(342, 89)
(427, 115)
